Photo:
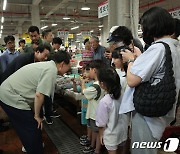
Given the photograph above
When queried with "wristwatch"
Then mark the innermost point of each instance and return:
(130, 60)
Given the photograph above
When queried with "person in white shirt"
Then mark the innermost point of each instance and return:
(156, 23)
(121, 68)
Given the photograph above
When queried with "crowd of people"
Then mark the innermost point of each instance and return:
(116, 108)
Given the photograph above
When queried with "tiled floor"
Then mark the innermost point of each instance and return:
(11, 144)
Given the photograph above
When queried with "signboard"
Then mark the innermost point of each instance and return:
(71, 36)
(85, 33)
(62, 33)
(103, 9)
(175, 14)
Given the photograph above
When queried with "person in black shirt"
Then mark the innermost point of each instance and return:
(41, 54)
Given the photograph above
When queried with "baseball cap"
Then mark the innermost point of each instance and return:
(110, 38)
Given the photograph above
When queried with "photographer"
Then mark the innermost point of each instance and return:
(122, 36)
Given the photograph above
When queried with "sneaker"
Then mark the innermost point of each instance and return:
(55, 115)
(24, 150)
(88, 149)
(84, 137)
(55, 110)
(48, 120)
(85, 142)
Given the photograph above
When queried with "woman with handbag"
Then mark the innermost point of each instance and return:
(154, 81)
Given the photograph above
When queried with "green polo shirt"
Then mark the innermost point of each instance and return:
(29, 47)
(49, 45)
(19, 89)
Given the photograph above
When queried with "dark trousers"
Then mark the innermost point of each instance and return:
(26, 128)
(48, 107)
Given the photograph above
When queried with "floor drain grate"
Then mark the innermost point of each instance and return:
(63, 138)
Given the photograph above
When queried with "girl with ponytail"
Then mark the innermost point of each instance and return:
(113, 127)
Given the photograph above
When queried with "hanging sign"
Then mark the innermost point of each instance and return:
(85, 33)
(62, 33)
(103, 9)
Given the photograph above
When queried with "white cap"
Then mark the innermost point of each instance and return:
(113, 28)
(110, 33)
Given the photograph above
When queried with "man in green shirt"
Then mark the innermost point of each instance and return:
(24, 91)
(35, 38)
(47, 38)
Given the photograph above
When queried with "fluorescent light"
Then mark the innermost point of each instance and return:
(44, 27)
(92, 31)
(1, 31)
(66, 18)
(4, 5)
(74, 27)
(0, 35)
(78, 34)
(85, 8)
(2, 19)
(1, 26)
(54, 24)
(100, 26)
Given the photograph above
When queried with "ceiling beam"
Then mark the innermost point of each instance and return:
(60, 5)
(57, 20)
(36, 2)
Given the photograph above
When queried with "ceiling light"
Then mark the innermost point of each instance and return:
(44, 27)
(4, 5)
(92, 31)
(0, 35)
(1, 31)
(54, 24)
(1, 26)
(100, 26)
(2, 19)
(85, 8)
(66, 18)
(74, 27)
(78, 34)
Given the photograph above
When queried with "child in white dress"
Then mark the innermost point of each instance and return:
(113, 127)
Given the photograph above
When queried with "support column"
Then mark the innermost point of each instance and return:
(112, 13)
(134, 16)
(35, 16)
(105, 31)
(124, 13)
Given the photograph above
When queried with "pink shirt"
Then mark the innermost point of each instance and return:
(87, 56)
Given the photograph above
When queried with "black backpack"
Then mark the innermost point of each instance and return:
(157, 100)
